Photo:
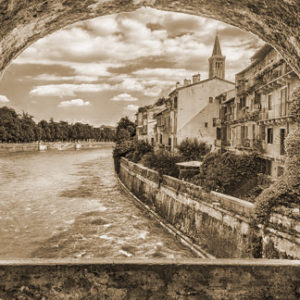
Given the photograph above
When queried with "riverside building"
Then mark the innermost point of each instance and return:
(257, 117)
(192, 107)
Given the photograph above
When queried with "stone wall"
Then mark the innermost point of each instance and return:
(218, 223)
(120, 280)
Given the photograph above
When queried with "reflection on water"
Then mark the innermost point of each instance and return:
(69, 204)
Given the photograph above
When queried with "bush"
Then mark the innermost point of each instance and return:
(163, 162)
(121, 150)
(131, 149)
(139, 150)
(192, 149)
(229, 173)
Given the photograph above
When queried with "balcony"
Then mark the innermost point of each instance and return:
(245, 144)
(263, 115)
(275, 82)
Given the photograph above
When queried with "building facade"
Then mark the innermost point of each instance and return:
(257, 117)
(193, 104)
(146, 123)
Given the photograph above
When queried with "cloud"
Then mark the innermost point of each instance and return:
(74, 102)
(67, 89)
(140, 55)
(132, 107)
(124, 97)
(169, 73)
(54, 77)
(4, 99)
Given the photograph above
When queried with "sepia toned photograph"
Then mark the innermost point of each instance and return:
(150, 149)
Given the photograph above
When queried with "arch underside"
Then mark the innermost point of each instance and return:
(275, 22)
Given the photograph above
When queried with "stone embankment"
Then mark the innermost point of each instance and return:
(35, 146)
(218, 223)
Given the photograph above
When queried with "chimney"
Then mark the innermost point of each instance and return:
(177, 84)
(186, 82)
(196, 78)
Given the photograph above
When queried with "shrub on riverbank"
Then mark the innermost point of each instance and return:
(132, 149)
(192, 149)
(163, 162)
(121, 150)
(140, 149)
(229, 173)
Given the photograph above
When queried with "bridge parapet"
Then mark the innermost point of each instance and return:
(154, 279)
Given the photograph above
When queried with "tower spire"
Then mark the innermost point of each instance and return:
(217, 61)
(217, 47)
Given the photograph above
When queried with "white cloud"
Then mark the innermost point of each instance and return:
(68, 89)
(4, 99)
(74, 102)
(162, 72)
(52, 77)
(132, 107)
(153, 92)
(124, 97)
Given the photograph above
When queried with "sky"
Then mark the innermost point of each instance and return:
(100, 70)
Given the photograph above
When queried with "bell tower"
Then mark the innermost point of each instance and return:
(217, 61)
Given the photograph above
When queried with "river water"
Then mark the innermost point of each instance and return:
(59, 204)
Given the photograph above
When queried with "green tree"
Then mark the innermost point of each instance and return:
(125, 129)
(192, 149)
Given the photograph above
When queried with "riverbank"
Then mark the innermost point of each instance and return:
(218, 223)
(36, 146)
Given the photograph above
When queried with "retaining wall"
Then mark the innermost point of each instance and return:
(35, 146)
(218, 223)
(155, 279)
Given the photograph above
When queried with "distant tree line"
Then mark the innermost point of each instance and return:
(21, 128)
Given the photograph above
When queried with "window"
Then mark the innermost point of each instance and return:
(210, 99)
(214, 122)
(242, 102)
(257, 97)
(262, 132)
(268, 167)
(218, 65)
(282, 138)
(152, 141)
(218, 133)
(280, 171)
(283, 102)
(175, 102)
(244, 132)
(270, 136)
(253, 131)
(206, 124)
(269, 102)
(170, 142)
(160, 139)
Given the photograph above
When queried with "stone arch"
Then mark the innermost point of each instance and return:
(277, 22)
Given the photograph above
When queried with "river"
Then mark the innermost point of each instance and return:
(60, 204)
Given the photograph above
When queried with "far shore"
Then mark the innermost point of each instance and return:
(45, 146)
